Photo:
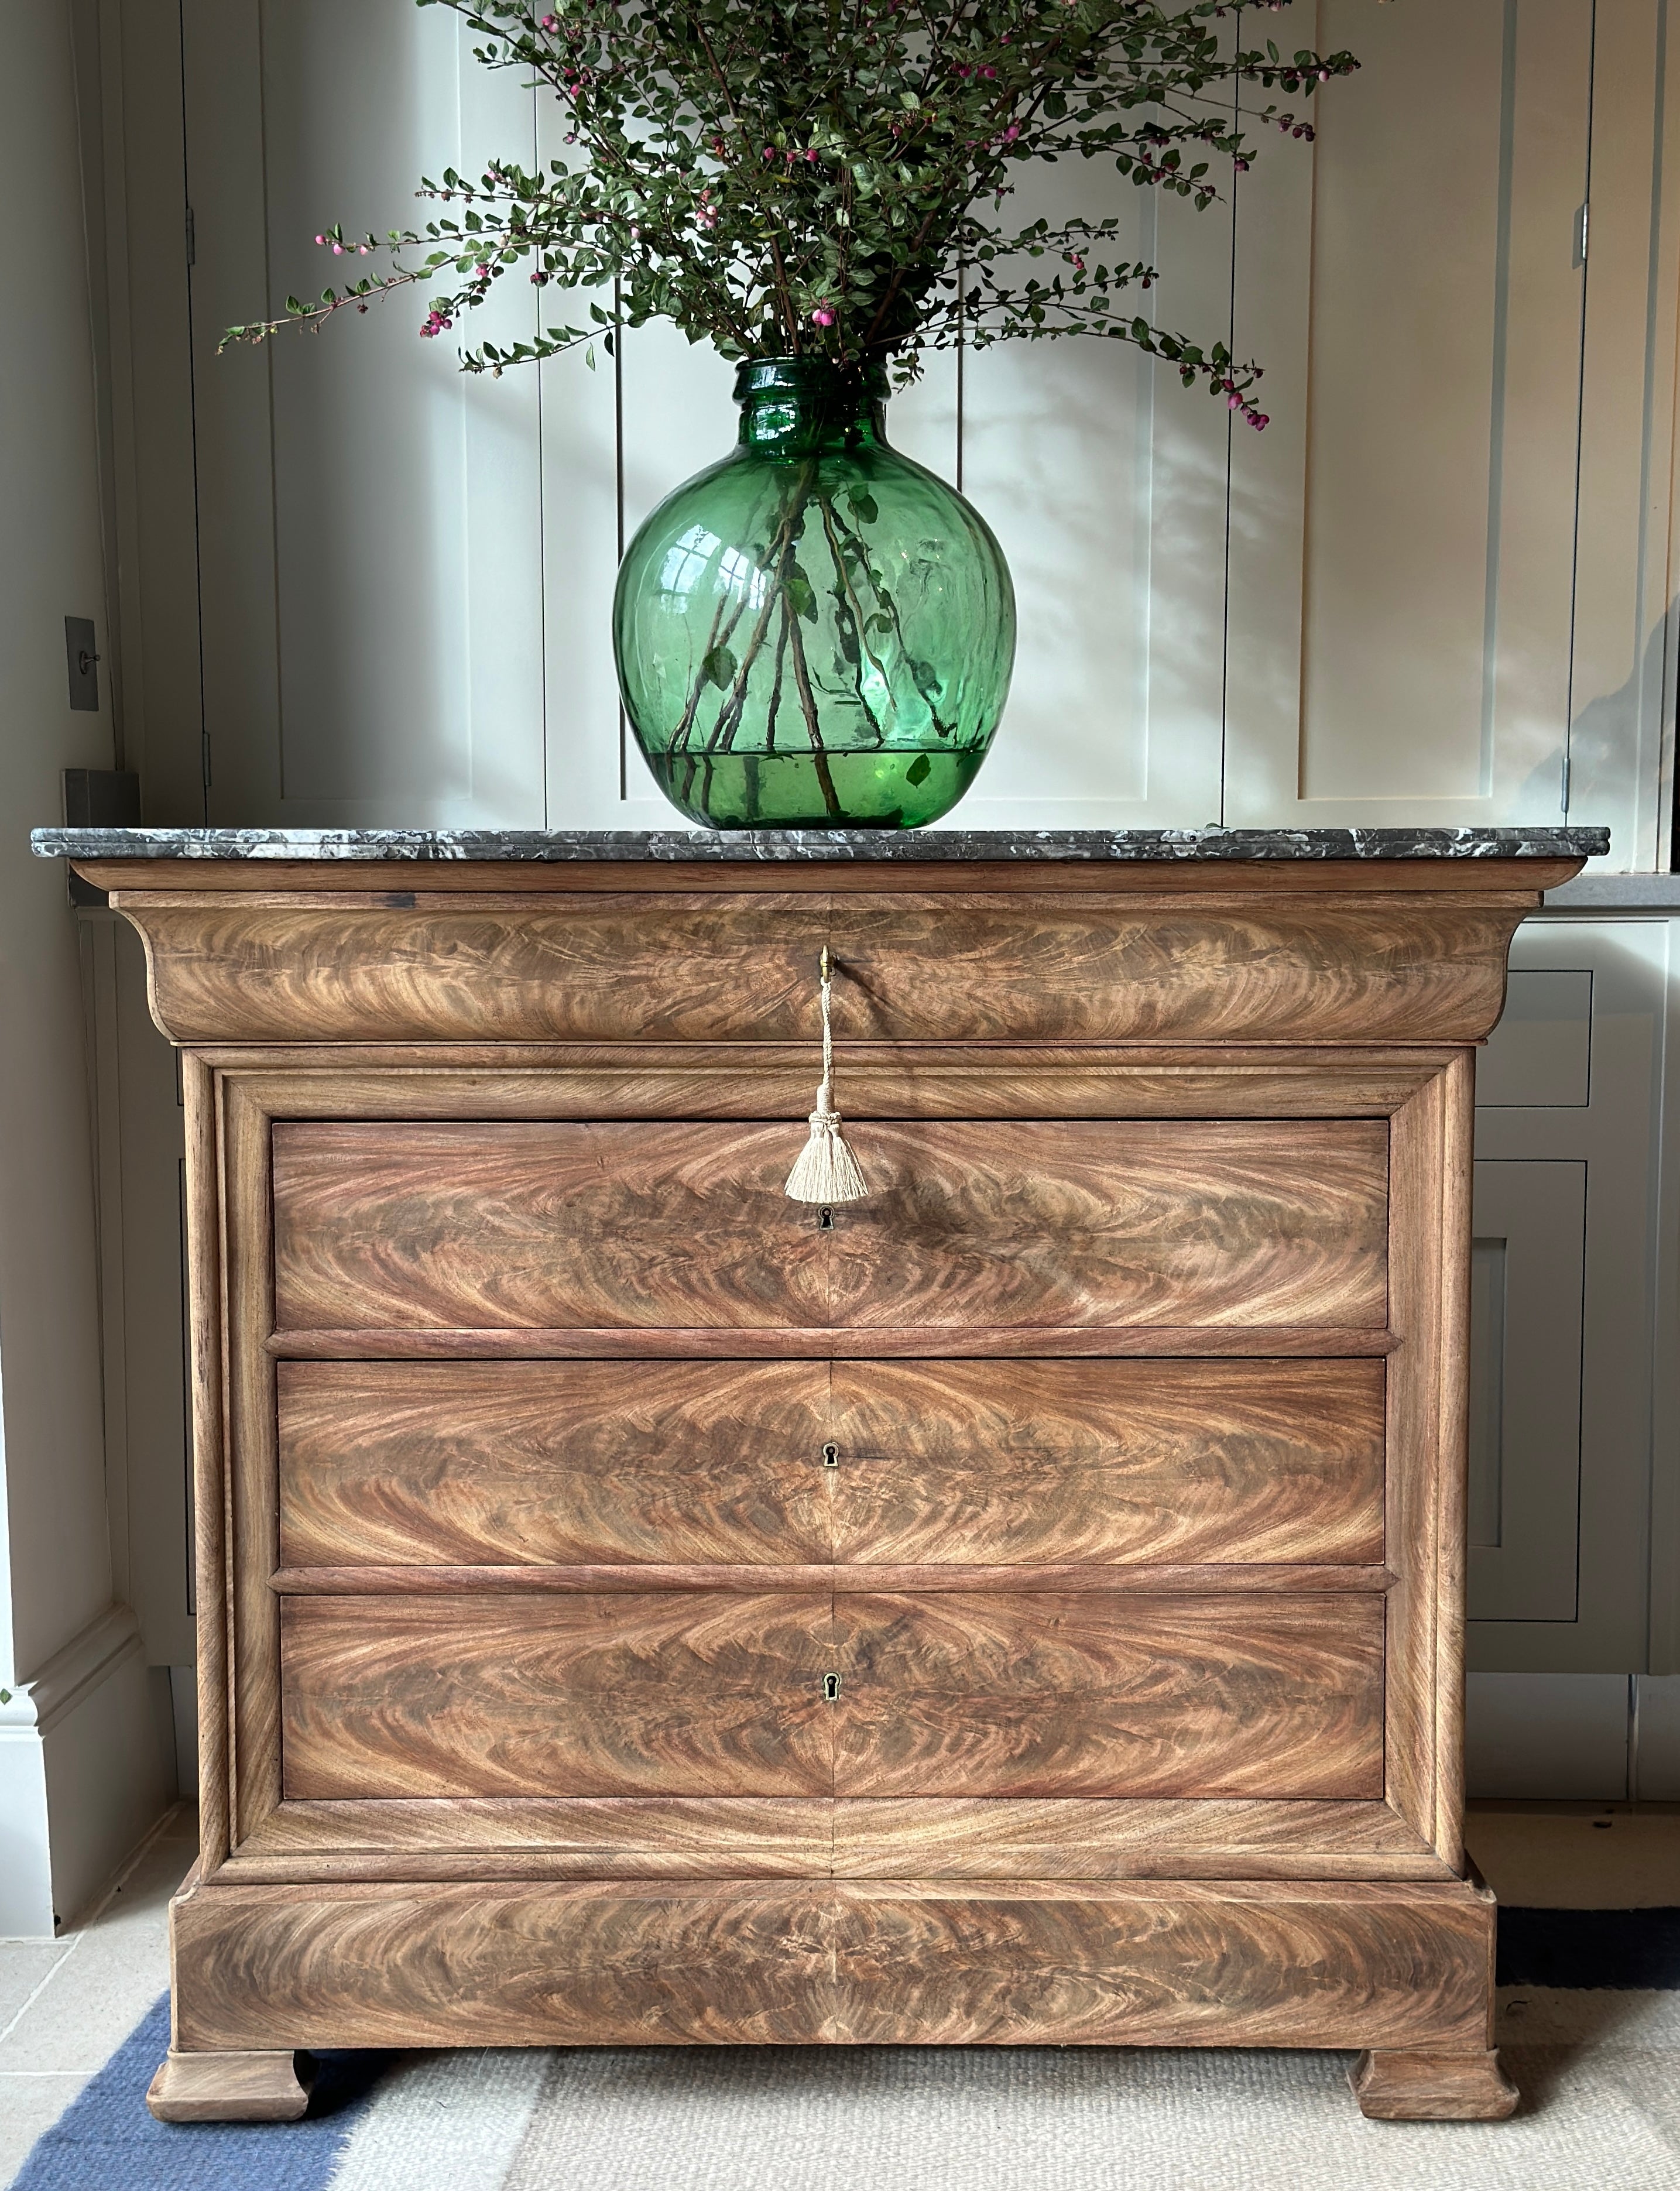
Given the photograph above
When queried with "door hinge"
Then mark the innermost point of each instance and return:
(192, 239)
(1563, 784)
(1578, 256)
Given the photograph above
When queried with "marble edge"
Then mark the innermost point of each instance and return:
(839, 845)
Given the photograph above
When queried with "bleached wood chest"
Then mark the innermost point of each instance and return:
(1025, 1606)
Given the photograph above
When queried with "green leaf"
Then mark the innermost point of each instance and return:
(719, 669)
(801, 594)
(862, 504)
(919, 770)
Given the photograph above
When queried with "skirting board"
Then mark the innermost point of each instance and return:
(1574, 1738)
(86, 1768)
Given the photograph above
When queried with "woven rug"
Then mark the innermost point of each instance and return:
(1599, 2069)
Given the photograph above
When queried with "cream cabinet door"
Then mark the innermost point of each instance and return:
(1572, 1278)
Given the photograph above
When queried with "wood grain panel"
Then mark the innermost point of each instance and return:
(613, 1963)
(1071, 1695)
(1190, 1461)
(773, 1080)
(575, 1837)
(547, 1465)
(585, 968)
(995, 1837)
(247, 1243)
(611, 1695)
(1255, 1964)
(917, 1837)
(1212, 965)
(463, 1464)
(823, 1343)
(309, 882)
(1354, 968)
(210, 1550)
(1146, 1578)
(1040, 1222)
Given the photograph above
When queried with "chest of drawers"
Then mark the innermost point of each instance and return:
(1025, 1606)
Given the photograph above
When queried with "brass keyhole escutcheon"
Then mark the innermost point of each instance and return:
(831, 1456)
(825, 1220)
(831, 1686)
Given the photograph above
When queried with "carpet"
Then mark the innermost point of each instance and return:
(1598, 2067)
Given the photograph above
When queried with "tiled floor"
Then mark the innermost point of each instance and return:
(65, 2004)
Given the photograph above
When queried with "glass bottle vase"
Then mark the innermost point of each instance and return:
(816, 632)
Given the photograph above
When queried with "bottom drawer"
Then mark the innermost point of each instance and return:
(723, 1693)
(1221, 1963)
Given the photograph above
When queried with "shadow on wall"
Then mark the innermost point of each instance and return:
(1609, 733)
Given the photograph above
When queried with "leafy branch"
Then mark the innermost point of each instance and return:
(831, 177)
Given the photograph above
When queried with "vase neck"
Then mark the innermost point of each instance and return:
(796, 407)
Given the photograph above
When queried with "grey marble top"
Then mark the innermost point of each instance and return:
(862, 844)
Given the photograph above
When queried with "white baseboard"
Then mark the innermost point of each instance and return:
(1657, 1740)
(1574, 1738)
(183, 1705)
(1551, 1737)
(86, 1768)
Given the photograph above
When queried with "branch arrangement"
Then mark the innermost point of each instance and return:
(832, 178)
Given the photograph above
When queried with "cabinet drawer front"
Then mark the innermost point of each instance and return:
(470, 1464)
(1040, 1694)
(624, 1694)
(635, 1964)
(961, 1694)
(1027, 1223)
(1011, 1462)
(456, 1464)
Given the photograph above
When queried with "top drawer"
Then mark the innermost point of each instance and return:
(1258, 964)
(1028, 1223)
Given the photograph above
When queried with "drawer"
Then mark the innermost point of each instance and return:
(456, 1464)
(383, 1227)
(673, 1962)
(719, 1693)
(1271, 965)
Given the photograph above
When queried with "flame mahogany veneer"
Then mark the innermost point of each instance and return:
(1026, 1609)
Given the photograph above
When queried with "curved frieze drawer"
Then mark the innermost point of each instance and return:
(469, 1464)
(391, 1226)
(1261, 966)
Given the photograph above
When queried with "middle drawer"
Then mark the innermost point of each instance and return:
(793, 1463)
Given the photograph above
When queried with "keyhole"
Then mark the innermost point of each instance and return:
(831, 1686)
(825, 1220)
(831, 1456)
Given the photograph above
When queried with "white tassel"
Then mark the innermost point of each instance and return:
(826, 1171)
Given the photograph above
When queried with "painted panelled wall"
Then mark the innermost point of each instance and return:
(353, 587)
(1434, 590)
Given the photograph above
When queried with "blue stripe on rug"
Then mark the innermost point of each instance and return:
(105, 2140)
(1620, 1948)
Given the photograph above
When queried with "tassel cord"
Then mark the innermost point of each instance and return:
(826, 1170)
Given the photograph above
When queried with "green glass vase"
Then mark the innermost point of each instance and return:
(816, 632)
